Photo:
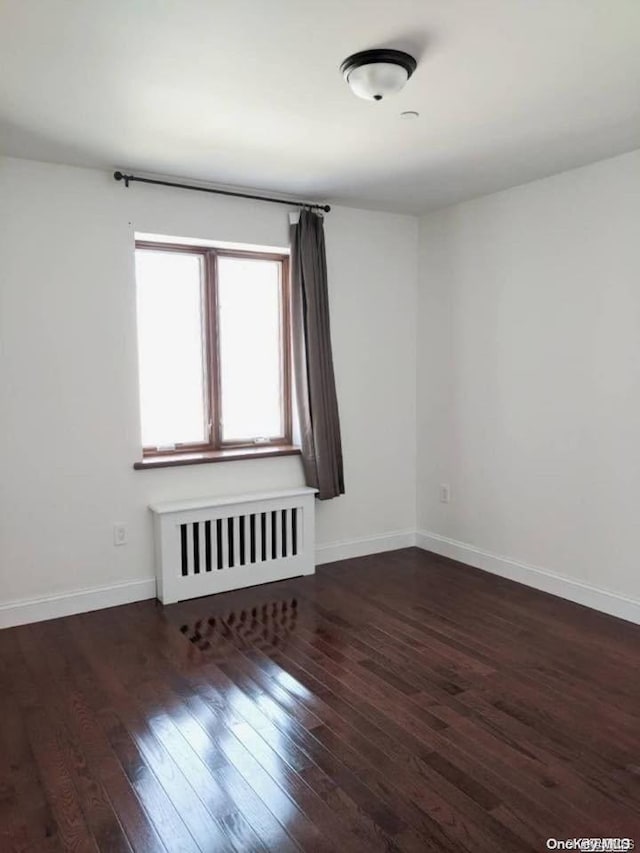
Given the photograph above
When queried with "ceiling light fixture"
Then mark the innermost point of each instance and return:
(376, 74)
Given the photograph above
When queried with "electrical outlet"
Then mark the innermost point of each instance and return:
(119, 534)
(445, 493)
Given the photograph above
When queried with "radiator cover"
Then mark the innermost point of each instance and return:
(210, 545)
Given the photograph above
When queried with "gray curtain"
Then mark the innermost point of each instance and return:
(315, 383)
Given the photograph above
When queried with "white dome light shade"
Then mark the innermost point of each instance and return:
(376, 81)
(376, 74)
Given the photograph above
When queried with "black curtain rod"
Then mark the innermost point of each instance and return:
(119, 176)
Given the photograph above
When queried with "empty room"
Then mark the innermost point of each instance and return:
(319, 426)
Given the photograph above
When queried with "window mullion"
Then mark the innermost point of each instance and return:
(213, 350)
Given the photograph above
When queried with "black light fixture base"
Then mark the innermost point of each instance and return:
(368, 57)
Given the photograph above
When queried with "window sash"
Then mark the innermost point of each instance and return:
(213, 402)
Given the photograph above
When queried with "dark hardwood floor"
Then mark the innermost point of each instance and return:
(394, 702)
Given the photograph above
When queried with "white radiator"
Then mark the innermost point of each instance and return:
(212, 545)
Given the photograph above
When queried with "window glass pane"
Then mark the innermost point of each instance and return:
(250, 348)
(170, 346)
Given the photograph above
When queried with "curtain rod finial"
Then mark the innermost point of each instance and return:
(119, 176)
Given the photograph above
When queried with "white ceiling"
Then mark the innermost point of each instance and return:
(248, 92)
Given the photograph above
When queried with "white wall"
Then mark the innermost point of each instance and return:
(69, 423)
(529, 377)
(528, 362)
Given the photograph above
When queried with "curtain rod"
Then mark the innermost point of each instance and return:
(119, 176)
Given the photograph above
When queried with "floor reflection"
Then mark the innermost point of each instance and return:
(265, 626)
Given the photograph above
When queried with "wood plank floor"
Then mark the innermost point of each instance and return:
(394, 702)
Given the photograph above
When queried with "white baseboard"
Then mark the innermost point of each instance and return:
(573, 590)
(79, 601)
(361, 547)
(84, 600)
(24, 611)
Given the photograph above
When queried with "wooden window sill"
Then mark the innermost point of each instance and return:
(171, 460)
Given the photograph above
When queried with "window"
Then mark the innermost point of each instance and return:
(214, 351)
